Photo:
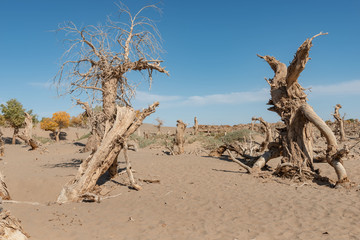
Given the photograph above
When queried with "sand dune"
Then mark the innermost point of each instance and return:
(198, 197)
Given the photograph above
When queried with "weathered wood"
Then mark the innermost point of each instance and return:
(126, 122)
(340, 122)
(268, 134)
(289, 101)
(179, 137)
(129, 170)
(26, 134)
(10, 227)
(247, 168)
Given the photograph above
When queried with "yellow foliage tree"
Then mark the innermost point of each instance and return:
(48, 124)
(58, 121)
(63, 121)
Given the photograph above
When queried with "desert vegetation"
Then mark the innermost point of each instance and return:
(86, 156)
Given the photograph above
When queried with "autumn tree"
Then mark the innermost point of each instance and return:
(62, 119)
(14, 114)
(59, 120)
(96, 63)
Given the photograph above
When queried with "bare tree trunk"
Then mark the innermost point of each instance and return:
(340, 122)
(196, 126)
(179, 138)
(126, 122)
(16, 131)
(289, 102)
(2, 145)
(57, 135)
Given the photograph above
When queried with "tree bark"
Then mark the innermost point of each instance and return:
(179, 138)
(126, 122)
(16, 131)
(289, 101)
(340, 122)
(57, 135)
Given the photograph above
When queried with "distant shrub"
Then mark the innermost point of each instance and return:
(78, 121)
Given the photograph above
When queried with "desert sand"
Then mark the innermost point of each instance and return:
(198, 197)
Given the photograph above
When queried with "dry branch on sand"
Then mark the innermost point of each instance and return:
(289, 101)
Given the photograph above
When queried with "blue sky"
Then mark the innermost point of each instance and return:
(210, 52)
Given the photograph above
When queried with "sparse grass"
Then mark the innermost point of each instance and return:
(238, 135)
(84, 136)
(42, 140)
(209, 142)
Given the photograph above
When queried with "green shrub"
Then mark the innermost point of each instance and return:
(238, 135)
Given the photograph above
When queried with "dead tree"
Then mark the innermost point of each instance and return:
(2, 145)
(340, 122)
(289, 101)
(158, 126)
(102, 58)
(82, 186)
(268, 134)
(179, 137)
(26, 134)
(196, 126)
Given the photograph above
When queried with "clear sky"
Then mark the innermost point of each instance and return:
(210, 52)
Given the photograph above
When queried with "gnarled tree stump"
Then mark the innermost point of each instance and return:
(289, 101)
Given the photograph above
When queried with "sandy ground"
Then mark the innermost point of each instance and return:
(198, 197)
